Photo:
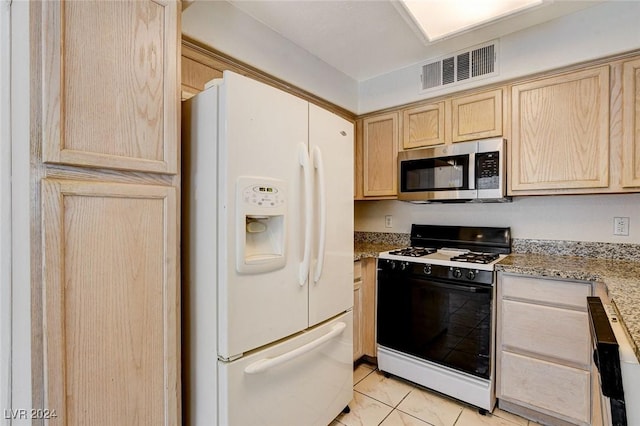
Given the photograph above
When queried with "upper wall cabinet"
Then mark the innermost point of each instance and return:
(454, 119)
(379, 155)
(120, 108)
(476, 116)
(423, 126)
(195, 75)
(631, 124)
(560, 132)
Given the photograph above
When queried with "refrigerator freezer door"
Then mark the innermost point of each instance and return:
(305, 380)
(260, 131)
(331, 280)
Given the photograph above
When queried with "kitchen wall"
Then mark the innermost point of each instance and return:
(605, 29)
(227, 29)
(599, 31)
(571, 217)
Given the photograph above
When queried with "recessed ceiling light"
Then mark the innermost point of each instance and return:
(439, 19)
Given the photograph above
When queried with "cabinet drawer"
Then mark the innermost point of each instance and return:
(554, 292)
(559, 390)
(545, 330)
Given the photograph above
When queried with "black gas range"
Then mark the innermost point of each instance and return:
(436, 310)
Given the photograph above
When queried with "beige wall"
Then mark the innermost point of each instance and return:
(572, 217)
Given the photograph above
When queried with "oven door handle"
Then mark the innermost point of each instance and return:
(460, 287)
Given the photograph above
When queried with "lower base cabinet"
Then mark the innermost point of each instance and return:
(364, 308)
(543, 349)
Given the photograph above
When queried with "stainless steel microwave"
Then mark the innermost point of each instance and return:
(464, 171)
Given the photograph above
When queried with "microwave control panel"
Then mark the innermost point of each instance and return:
(488, 170)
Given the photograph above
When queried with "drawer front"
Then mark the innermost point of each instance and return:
(555, 389)
(553, 292)
(545, 330)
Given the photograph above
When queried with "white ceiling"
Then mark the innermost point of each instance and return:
(367, 38)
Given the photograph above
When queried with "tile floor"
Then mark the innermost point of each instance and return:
(378, 400)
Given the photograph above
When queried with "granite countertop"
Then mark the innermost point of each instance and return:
(621, 278)
(362, 250)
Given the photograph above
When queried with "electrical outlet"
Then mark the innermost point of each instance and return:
(620, 226)
(388, 221)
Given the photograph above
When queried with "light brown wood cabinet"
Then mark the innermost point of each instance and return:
(631, 123)
(476, 116)
(379, 165)
(106, 216)
(560, 132)
(357, 311)
(109, 72)
(364, 309)
(195, 75)
(453, 119)
(423, 126)
(544, 348)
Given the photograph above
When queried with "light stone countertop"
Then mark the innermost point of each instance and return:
(621, 278)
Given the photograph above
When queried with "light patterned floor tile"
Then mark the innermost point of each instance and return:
(398, 418)
(365, 411)
(387, 390)
(362, 371)
(431, 407)
(471, 417)
(511, 417)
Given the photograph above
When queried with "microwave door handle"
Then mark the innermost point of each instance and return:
(472, 170)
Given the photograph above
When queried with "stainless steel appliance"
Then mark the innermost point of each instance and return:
(465, 171)
(436, 310)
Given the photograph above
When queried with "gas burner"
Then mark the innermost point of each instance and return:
(413, 251)
(473, 257)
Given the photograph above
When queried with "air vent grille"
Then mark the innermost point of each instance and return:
(476, 62)
(431, 75)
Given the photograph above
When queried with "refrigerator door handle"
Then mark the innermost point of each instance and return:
(267, 363)
(318, 164)
(303, 157)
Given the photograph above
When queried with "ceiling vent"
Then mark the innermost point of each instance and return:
(466, 65)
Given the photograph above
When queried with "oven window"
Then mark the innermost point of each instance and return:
(449, 324)
(435, 174)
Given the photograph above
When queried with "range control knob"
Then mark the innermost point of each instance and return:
(404, 266)
(471, 274)
(427, 270)
(457, 273)
(392, 264)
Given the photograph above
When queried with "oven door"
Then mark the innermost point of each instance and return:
(439, 321)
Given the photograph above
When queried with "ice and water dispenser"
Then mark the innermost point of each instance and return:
(261, 206)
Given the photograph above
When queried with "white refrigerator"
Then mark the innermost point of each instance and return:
(268, 240)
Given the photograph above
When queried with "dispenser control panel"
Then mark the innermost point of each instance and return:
(260, 224)
(263, 196)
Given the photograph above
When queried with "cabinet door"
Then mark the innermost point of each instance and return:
(631, 124)
(380, 149)
(553, 389)
(111, 338)
(368, 308)
(111, 84)
(476, 116)
(423, 126)
(560, 132)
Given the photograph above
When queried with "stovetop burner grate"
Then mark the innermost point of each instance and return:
(473, 257)
(413, 251)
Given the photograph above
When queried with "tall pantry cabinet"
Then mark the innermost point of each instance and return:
(105, 211)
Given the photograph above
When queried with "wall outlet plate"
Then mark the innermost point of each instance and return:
(620, 226)
(388, 221)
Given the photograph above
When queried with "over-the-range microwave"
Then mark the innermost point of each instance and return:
(463, 171)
